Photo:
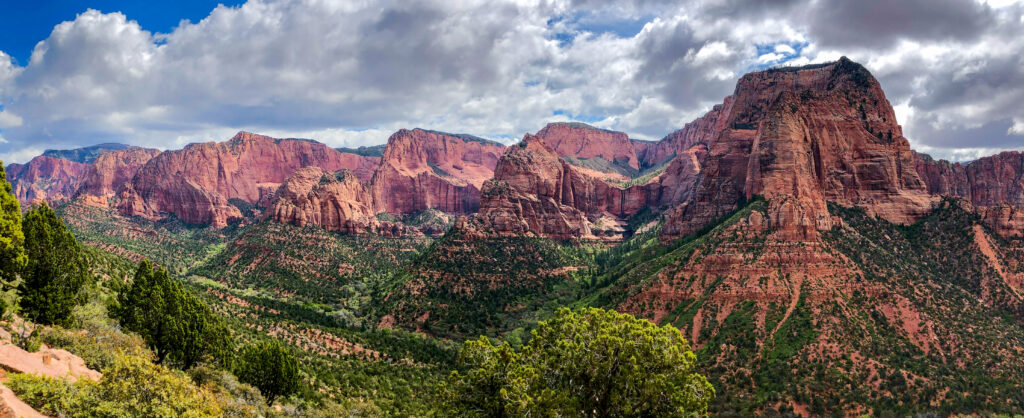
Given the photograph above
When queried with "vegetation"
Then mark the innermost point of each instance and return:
(131, 386)
(270, 368)
(174, 322)
(56, 269)
(12, 241)
(592, 363)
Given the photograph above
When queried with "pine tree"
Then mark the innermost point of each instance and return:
(12, 240)
(56, 268)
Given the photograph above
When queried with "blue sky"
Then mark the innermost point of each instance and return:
(25, 23)
(351, 73)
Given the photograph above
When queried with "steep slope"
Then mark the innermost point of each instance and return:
(870, 317)
(111, 171)
(199, 183)
(994, 185)
(46, 179)
(423, 169)
(801, 138)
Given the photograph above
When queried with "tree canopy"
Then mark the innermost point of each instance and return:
(56, 269)
(172, 320)
(590, 363)
(269, 367)
(12, 239)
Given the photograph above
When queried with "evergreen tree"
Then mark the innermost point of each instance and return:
(12, 240)
(173, 321)
(270, 368)
(56, 268)
(593, 363)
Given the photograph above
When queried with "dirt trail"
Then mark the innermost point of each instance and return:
(1014, 281)
(789, 310)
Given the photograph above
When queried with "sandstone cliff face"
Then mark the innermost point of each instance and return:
(803, 137)
(993, 185)
(196, 183)
(531, 194)
(45, 179)
(111, 171)
(585, 141)
(336, 202)
(423, 170)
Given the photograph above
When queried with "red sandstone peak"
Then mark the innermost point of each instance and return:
(584, 141)
(423, 169)
(536, 192)
(334, 201)
(197, 183)
(45, 179)
(801, 137)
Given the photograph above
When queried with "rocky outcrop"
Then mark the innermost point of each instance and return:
(110, 172)
(423, 169)
(802, 137)
(583, 141)
(46, 179)
(334, 201)
(993, 185)
(531, 194)
(198, 183)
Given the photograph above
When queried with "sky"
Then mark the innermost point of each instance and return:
(350, 73)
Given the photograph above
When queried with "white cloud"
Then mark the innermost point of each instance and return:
(9, 120)
(350, 73)
(20, 156)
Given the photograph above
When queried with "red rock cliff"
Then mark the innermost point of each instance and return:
(196, 183)
(994, 185)
(423, 169)
(111, 171)
(584, 141)
(45, 179)
(334, 201)
(802, 137)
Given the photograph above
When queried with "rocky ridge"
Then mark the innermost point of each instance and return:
(198, 184)
(994, 185)
(46, 179)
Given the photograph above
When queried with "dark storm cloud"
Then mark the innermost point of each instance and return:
(880, 23)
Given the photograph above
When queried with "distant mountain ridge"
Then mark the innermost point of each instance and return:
(85, 155)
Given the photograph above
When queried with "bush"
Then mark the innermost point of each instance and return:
(131, 387)
(590, 363)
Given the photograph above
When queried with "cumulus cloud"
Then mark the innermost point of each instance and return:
(350, 73)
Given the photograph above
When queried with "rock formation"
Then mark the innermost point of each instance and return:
(587, 142)
(334, 201)
(45, 179)
(801, 137)
(198, 183)
(111, 171)
(994, 185)
(423, 169)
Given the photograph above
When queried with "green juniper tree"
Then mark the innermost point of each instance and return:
(269, 367)
(12, 242)
(173, 321)
(591, 363)
(56, 269)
